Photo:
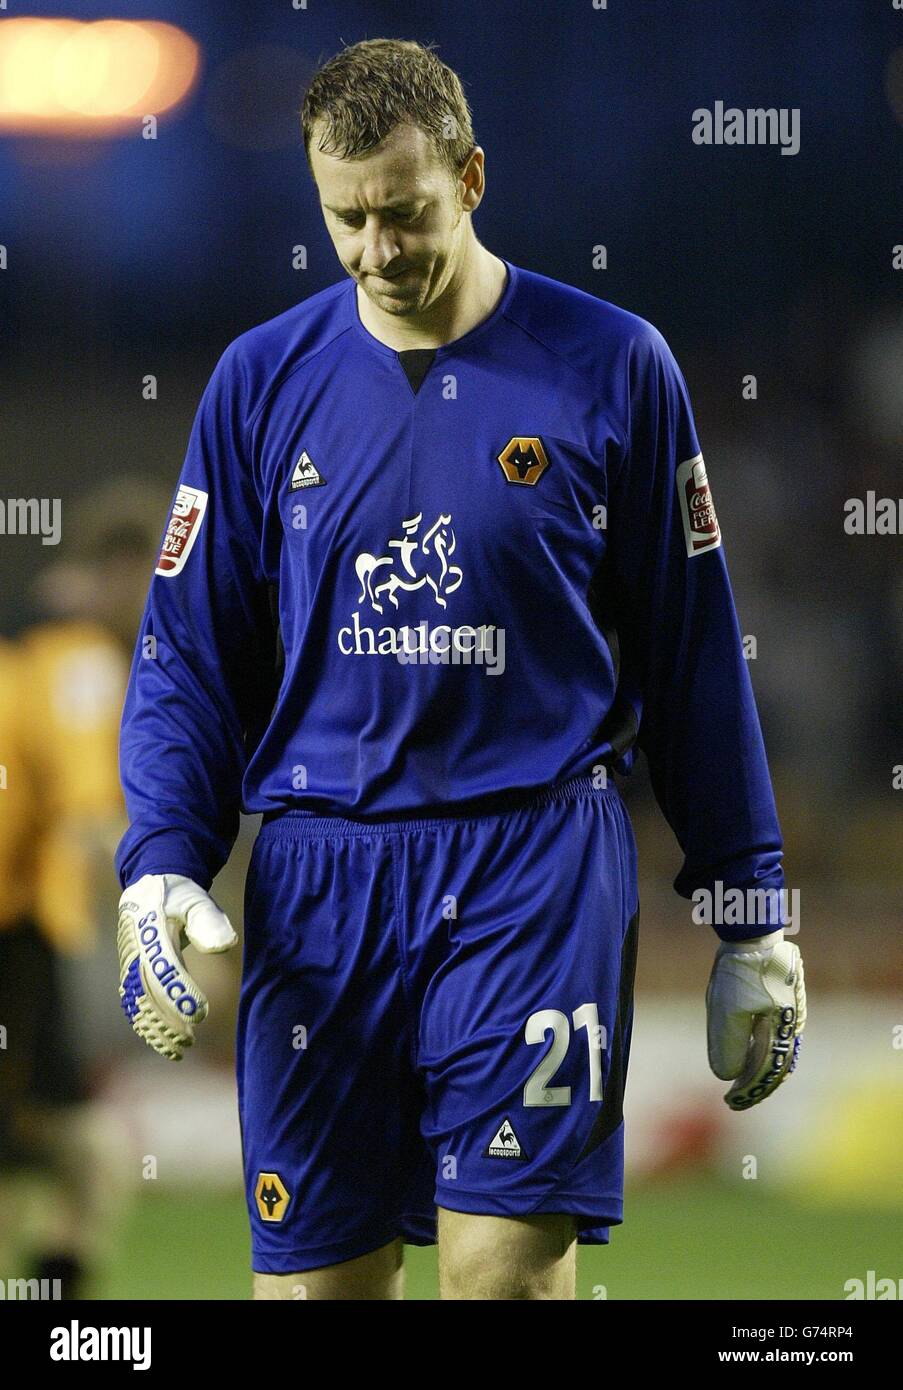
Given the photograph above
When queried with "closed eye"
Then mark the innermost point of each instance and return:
(405, 215)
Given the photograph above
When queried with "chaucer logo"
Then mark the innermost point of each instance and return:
(524, 460)
(182, 531)
(419, 560)
(413, 561)
(701, 530)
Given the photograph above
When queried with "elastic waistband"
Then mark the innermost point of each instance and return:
(301, 825)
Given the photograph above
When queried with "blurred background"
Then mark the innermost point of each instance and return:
(155, 203)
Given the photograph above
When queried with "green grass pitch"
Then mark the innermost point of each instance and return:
(694, 1240)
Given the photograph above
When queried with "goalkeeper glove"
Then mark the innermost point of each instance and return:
(158, 915)
(756, 1009)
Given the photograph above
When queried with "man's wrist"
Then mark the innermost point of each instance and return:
(197, 873)
(753, 943)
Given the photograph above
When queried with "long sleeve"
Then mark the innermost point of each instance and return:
(683, 667)
(203, 659)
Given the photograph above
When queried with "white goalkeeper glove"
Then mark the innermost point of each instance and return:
(756, 1010)
(158, 915)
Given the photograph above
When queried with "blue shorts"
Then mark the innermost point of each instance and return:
(435, 1012)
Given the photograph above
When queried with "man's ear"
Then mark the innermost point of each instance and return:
(472, 181)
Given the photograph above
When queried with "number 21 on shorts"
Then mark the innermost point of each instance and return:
(539, 1090)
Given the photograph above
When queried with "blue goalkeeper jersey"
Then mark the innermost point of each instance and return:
(424, 583)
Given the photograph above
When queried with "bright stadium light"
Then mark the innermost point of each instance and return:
(68, 77)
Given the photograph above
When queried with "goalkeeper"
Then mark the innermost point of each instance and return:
(443, 555)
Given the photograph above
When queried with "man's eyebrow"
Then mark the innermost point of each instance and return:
(394, 206)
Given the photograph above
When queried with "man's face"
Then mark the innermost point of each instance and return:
(395, 217)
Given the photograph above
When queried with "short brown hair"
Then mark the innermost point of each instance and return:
(368, 89)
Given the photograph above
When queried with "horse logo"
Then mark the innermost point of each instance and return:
(411, 563)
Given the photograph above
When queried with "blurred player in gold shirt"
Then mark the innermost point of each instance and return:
(62, 684)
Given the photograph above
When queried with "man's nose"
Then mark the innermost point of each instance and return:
(380, 247)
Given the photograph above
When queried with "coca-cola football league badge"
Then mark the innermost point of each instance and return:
(181, 533)
(701, 529)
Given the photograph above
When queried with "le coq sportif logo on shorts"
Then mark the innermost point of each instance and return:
(417, 561)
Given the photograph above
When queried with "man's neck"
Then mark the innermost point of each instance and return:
(472, 295)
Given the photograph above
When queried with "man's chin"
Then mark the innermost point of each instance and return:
(393, 302)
